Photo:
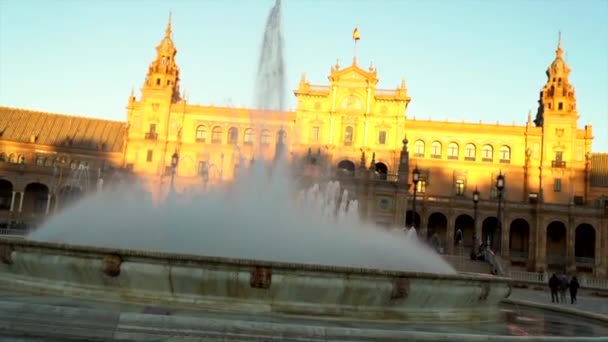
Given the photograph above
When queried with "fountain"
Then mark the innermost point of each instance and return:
(257, 260)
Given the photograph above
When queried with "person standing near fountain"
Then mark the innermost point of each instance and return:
(554, 286)
(574, 285)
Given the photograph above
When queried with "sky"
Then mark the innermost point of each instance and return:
(469, 60)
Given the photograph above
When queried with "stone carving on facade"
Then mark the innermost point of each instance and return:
(111, 265)
(401, 288)
(261, 277)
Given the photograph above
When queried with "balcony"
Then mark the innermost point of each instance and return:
(558, 164)
(151, 136)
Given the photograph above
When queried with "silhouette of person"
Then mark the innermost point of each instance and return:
(554, 286)
(574, 285)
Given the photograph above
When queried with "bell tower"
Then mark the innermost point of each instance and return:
(557, 99)
(162, 79)
(557, 116)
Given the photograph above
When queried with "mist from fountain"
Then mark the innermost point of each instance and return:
(260, 217)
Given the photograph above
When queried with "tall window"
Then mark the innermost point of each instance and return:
(459, 187)
(315, 134)
(453, 151)
(505, 154)
(248, 137)
(382, 137)
(421, 187)
(436, 150)
(348, 136)
(265, 138)
(469, 152)
(419, 149)
(233, 135)
(149, 156)
(216, 135)
(487, 153)
(201, 133)
(557, 184)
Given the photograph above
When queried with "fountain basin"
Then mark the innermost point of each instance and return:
(247, 286)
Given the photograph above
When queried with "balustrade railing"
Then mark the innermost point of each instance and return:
(585, 260)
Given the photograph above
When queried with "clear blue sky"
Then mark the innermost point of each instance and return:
(462, 60)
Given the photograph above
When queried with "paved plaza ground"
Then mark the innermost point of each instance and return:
(586, 300)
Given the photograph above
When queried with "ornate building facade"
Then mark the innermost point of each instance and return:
(552, 212)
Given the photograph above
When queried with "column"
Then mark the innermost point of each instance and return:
(449, 234)
(13, 201)
(570, 233)
(365, 133)
(21, 195)
(331, 130)
(504, 246)
(369, 100)
(478, 231)
(48, 204)
(541, 254)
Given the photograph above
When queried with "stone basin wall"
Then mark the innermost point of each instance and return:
(239, 285)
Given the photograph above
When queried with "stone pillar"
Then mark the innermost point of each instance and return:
(13, 201)
(48, 204)
(601, 251)
(365, 133)
(331, 130)
(424, 229)
(540, 263)
(400, 208)
(478, 235)
(504, 245)
(570, 237)
(21, 196)
(449, 233)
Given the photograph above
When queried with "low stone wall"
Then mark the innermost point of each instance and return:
(247, 285)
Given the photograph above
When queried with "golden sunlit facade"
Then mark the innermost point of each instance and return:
(554, 204)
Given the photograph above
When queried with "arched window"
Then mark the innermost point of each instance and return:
(348, 136)
(453, 151)
(233, 135)
(248, 137)
(3, 157)
(487, 153)
(419, 149)
(436, 150)
(265, 138)
(216, 135)
(40, 161)
(469, 152)
(201, 133)
(11, 158)
(21, 159)
(505, 154)
(73, 165)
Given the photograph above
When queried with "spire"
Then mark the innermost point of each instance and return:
(168, 30)
(163, 72)
(558, 95)
(559, 52)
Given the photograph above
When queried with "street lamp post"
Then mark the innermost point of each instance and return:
(174, 162)
(416, 179)
(475, 202)
(497, 238)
